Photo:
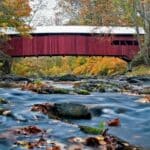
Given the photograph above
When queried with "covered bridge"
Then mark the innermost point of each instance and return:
(76, 41)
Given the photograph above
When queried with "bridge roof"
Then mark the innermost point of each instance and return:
(81, 30)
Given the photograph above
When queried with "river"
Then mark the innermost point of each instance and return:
(134, 116)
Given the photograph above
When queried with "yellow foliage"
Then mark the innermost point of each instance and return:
(69, 65)
(101, 66)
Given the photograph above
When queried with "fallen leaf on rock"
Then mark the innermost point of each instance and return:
(32, 145)
(75, 147)
(43, 108)
(145, 99)
(114, 122)
(76, 140)
(28, 130)
(100, 138)
(56, 147)
(107, 142)
(34, 86)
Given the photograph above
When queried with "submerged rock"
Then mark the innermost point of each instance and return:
(96, 111)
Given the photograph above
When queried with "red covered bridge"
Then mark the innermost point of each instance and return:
(76, 41)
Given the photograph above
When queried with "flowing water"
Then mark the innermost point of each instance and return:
(134, 116)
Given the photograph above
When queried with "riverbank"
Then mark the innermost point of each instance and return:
(141, 70)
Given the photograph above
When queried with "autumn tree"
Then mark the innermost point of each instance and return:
(90, 12)
(111, 12)
(137, 13)
(12, 17)
(13, 13)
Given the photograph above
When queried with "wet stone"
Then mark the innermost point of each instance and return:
(72, 111)
(3, 101)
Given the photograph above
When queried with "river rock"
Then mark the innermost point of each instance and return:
(5, 112)
(61, 111)
(72, 111)
(82, 92)
(145, 90)
(68, 77)
(134, 80)
(43, 88)
(3, 101)
(96, 111)
(15, 78)
(52, 90)
(8, 84)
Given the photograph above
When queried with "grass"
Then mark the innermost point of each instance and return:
(140, 71)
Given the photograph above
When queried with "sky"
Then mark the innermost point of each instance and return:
(45, 15)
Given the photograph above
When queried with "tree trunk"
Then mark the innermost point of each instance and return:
(6, 67)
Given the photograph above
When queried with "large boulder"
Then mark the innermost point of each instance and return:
(64, 110)
(72, 111)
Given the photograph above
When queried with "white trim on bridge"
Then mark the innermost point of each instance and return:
(80, 30)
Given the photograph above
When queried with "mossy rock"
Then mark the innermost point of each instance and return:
(101, 88)
(91, 130)
(53, 90)
(60, 91)
(3, 101)
(82, 92)
(68, 77)
(145, 91)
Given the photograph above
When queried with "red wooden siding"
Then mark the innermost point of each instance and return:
(72, 45)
